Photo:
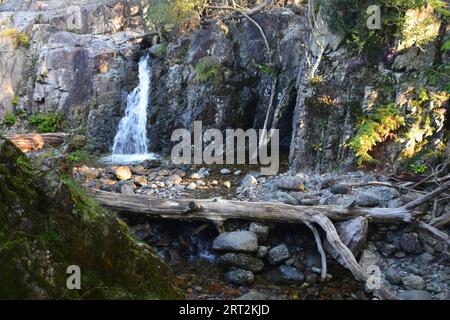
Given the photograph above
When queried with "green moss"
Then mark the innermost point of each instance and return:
(208, 70)
(47, 122)
(9, 120)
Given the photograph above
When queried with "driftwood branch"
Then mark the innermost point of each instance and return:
(323, 256)
(36, 141)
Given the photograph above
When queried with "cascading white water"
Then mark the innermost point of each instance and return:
(130, 143)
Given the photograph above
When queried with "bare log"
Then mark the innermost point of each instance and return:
(36, 141)
(221, 210)
(347, 256)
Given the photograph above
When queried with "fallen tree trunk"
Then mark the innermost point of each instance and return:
(37, 141)
(221, 210)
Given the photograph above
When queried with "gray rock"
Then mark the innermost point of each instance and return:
(239, 276)
(262, 252)
(285, 198)
(415, 295)
(409, 243)
(353, 234)
(172, 180)
(241, 261)
(340, 189)
(425, 259)
(310, 202)
(191, 186)
(367, 200)
(393, 276)
(261, 230)
(249, 181)
(327, 182)
(387, 249)
(253, 295)
(291, 183)
(311, 278)
(413, 283)
(278, 254)
(239, 241)
(225, 171)
(412, 269)
(286, 274)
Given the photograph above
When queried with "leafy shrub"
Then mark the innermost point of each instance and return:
(9, 120)
(376, 128)
(418, 168)
(208, 70)
(163, 13)
(20, 38)
(47, 122)
(350, 17)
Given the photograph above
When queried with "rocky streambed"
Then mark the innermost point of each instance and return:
(278, 261)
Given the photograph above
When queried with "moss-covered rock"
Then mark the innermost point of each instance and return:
(43, 232)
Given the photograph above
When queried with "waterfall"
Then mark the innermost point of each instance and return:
(130, 143)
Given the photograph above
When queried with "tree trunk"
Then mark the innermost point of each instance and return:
(36, 141)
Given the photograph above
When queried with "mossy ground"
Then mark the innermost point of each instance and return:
(42, 234)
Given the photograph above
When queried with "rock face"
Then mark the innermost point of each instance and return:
(240, 241)
(77, 63)
(238, 96)
(36, 269)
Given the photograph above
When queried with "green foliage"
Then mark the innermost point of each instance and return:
(9, 120)
(162, 13)
(418, 168)
(47, 122)
(19, 38)
(208, 70)
(266, 69)
(79, 157)
(437, 76)
(376, 128)
(350, 17)
(446, 45)
(15, 100)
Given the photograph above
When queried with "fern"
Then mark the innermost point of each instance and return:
(375, 129)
